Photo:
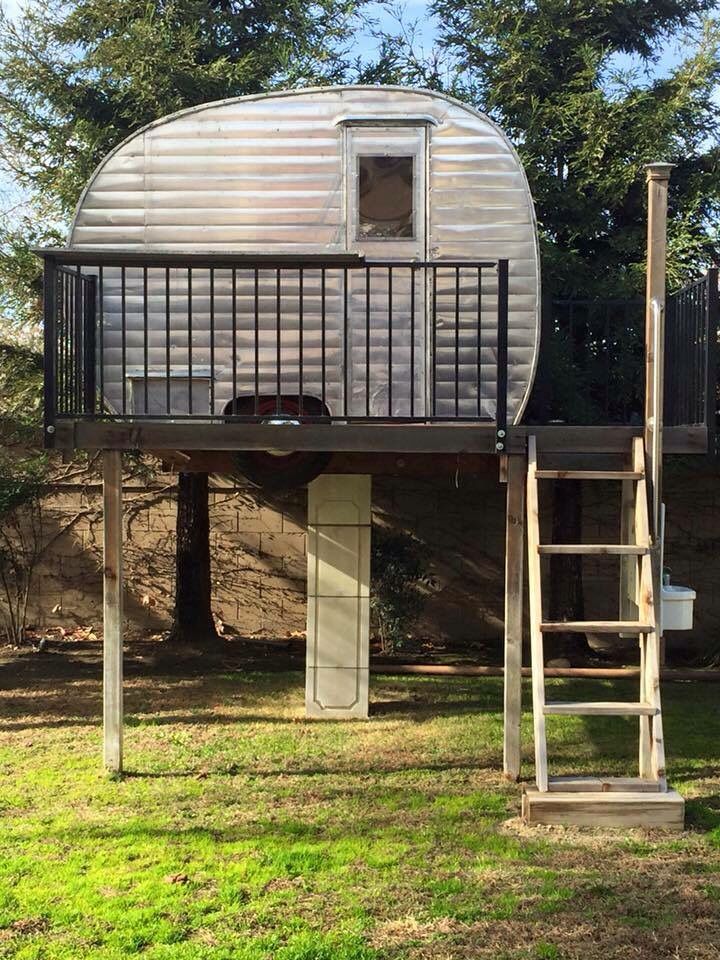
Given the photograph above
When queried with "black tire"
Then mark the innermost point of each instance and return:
(277, 473)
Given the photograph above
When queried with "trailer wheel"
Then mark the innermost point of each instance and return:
(278, 470)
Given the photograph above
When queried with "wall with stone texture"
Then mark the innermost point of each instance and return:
(258, 549)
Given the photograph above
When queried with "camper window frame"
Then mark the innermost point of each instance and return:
(373, 237)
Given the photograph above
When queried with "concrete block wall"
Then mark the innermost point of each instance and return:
(259, 552)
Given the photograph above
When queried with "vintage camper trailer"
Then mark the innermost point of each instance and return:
(356, 270)
(366, 226)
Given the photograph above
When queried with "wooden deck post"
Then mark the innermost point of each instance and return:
(514, 567)
(658, 178)
(112, 612)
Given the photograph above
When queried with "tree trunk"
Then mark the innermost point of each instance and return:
(193, 623)
(567, 601)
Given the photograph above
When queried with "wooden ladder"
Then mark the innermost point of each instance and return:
(628, 801)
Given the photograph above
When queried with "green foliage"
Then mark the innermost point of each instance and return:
(21, 537)
(21, 390)
(551, 72)
(79, 76)
(398, 573)
(21, 481)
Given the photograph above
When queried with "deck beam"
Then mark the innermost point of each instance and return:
(161, 435)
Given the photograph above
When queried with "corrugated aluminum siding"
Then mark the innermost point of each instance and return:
(266, 174)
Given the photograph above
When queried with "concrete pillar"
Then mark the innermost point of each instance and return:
(338, 605)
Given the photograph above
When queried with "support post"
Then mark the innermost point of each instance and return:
(658, 178)
(112, 612)
(338, 606)
(514, 568)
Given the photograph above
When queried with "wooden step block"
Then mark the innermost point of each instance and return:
(576, 784)
(664, 810)
(630, 627)
(599, 708)
(592, 549)
(588, 475)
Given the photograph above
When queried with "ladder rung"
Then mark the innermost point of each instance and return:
(631, 627)
(600, 708)
(588, 475)
(609, 549)
(588, 784)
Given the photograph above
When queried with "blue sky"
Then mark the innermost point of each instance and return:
(414, 11)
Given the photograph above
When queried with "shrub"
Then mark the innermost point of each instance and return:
(399, 578)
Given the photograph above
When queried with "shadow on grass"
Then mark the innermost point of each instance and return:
(488, 762)
(151, 700)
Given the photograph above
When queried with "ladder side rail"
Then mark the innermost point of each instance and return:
(535, 609)
(652, 749)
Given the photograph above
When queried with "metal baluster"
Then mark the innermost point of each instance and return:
(301, 280)
(145, 339)
(233, 407)
(168, 405)
(101, 330)
(390, 343)
(212, 341)
(433, 366)
(367, 341)
(479, 341)
(502, 354)
(346, 345)
(256, 400)
(323, 348)
(278, 358)
(190, 336)
(412, 341)
(457, 341)
(123, 336)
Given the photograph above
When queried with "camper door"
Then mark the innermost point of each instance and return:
(386, 220)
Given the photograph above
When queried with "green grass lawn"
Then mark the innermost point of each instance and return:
(243, 831)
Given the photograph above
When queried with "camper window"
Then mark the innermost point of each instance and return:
(385, 198)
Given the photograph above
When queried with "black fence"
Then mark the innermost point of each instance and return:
(151, 336)
(591, 365)
(592, 360)
(691, 375)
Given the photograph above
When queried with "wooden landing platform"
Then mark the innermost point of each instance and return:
(604, 803)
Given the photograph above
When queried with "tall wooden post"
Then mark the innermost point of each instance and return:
(658, 177)
(112, 612)
(514, 567)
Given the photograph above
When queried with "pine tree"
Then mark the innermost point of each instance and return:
(77, 77)
(579, 87)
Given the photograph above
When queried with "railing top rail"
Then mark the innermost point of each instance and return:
(91, 257)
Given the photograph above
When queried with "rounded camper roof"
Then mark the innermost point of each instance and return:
(298, 92)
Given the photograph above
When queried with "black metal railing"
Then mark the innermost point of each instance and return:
(691, 376)
(592, 360)
(204, 337)
(591, 364)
